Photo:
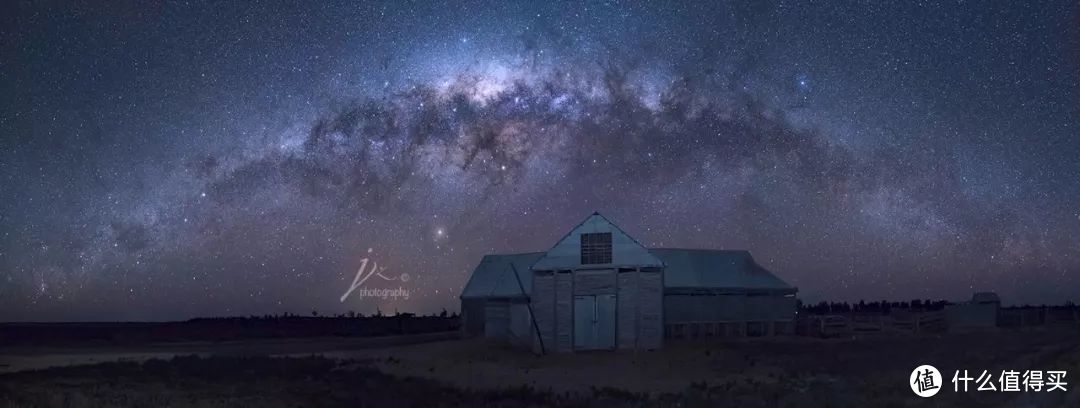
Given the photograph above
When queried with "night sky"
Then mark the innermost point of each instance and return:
(181, 159)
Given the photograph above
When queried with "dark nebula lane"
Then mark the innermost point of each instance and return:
(180, 159)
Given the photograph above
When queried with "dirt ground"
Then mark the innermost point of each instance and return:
(20, 358)
(793, 371)
(870, 369)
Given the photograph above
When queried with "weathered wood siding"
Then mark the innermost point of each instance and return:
(472, 316)
(651, 304)
(594, 282)
(728, 314)
(496, 320)
(564, 311)
(543, 305)
(628, 316)
(728, 308)
(640, 311)
(520, 329)
(770, 307)
(705, 308)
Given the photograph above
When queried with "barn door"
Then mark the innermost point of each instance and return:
(594, 322)
(584, 326)
(605, 324)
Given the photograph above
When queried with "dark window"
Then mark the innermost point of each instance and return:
(596, 248)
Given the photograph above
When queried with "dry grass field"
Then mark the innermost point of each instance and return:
(795, 371)
(780, 372)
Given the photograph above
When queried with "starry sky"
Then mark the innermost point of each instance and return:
(166, 160)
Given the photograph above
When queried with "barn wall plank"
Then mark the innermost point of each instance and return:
(627, 310)
(598, 282)
(564, 312)
(543, 305)
(651, 302)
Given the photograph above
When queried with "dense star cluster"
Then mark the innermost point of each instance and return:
(172, 160)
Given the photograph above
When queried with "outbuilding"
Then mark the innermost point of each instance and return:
(980, 313)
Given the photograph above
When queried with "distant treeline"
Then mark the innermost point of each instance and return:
(225, 329)
(315, 314)
(917, 305)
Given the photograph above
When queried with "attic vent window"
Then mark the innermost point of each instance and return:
(596, 248)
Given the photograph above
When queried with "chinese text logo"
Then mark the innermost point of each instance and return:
(925, 381)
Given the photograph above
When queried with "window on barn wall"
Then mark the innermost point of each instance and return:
(596, 248)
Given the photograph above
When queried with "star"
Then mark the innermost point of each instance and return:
(944, 168)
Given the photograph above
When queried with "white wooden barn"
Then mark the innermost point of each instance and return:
(598, 288)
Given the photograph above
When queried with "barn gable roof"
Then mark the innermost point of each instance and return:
(684, 269)
(709, 268)
(566, 253)
(493, 277)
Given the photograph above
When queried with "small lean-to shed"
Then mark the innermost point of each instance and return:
(493, 304)
(978, 314)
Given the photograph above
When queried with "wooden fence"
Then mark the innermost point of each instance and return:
(834, 325)
(905, 321)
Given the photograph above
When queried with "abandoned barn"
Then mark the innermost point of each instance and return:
(598, 288)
